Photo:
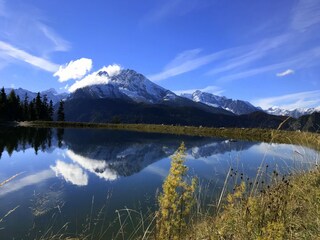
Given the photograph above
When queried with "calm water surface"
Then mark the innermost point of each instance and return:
(81, 177)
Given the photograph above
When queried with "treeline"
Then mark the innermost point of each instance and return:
(12, 108)
(20, 139)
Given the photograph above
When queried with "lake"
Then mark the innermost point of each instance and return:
(74, 180)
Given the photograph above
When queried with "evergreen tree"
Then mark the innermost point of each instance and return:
(3, 95)
(50, 111)
(3, 104)
(26, 115)
(12, 109)
(13, 105)
(61, 111)
(20, 109)
(38, 107)
(44, 109)
(32, 111)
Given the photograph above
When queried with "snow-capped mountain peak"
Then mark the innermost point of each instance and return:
(126, 83)
(236, 106)
(295, 113)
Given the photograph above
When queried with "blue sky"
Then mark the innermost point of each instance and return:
(266, 52)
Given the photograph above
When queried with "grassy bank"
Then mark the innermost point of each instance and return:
(251, 134)
(287, 208)
(290, 209)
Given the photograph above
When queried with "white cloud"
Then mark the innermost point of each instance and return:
(285, 73)
(112, 70)
(71, 173)
(291, 101)
(74, 69)
(99, 167)
(209, 89)
(7, 50)
(95, 79)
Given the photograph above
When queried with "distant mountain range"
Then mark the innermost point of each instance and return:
(295, 113)
(50, 93)
(237, 107)
(130, 97)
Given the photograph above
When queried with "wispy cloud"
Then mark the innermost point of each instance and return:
(291, 101)
(29, 180)
(25, 36)
(231, 58)
(250, 54)
(305, 59)
(305, 14)
(187, 61)
(209, 89)
(23, 25)
(170, 8)
(59, 44)
(74, 69)
(285, 73)
(7, 50)
(2, 8)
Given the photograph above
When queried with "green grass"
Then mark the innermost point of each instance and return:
(251, 134)
(290, 209)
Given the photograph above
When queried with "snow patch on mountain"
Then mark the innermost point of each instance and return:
(295, 113)
(51, 94)
(117, 83)
(236, 106)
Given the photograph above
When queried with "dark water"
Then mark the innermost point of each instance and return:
(81, 177)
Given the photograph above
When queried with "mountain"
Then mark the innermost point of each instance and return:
(307, 123)
(50, 93)
(238, 107)
(129, 97)
(295, 113)
(111, 154)
(130, 86)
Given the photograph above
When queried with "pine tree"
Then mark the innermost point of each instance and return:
(61, 112)
(32, 111)
(26, 115)
(38, 107)
(13, 105)
(50, 111)
(3, 104)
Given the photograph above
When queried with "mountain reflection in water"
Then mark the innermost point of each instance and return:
(64, 171)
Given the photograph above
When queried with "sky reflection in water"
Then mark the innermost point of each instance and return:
(72, 166)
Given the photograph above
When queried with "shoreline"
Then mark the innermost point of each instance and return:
(250, 134)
